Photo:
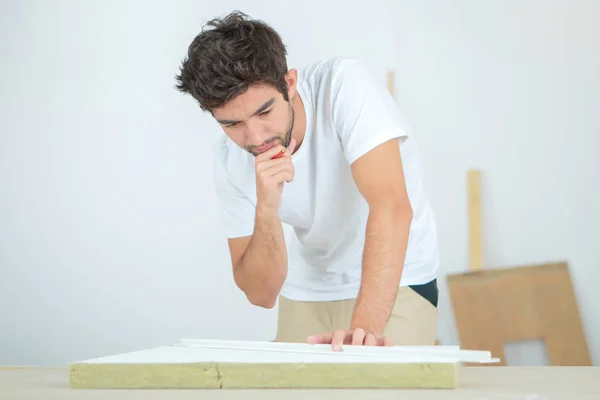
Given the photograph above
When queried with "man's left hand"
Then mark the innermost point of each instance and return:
(355, 337)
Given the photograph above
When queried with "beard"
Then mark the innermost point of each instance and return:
(285, 138)
(288, 135)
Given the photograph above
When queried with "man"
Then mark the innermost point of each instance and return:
(325, 150)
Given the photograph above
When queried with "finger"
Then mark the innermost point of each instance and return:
(287, 152)
(338, 339)
(370, 340)
(272, 167)
(278, 177)
(324, 338)
(270, 164)
(384, 341)
(358, 337)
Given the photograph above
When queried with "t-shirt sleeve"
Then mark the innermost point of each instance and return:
(364, 113)
(237, 211)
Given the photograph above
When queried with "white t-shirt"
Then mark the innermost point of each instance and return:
(348, 113)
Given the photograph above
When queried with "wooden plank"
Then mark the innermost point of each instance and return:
(236, 364)
(390, 82)
(474, 215)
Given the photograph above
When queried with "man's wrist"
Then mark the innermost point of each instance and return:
(265, 212)
(366, 325)
(371, 313)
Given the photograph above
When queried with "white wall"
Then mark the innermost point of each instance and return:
(109, 230)
(513, 88)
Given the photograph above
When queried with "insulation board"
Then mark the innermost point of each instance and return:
(217, 364)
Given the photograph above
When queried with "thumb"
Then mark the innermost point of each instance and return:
(291, 147)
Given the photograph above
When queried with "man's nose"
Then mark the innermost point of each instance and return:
(255, 133)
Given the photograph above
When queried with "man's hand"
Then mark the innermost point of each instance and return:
(270, 175)
(355, 337)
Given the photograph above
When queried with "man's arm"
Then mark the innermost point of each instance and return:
(260, 261)
(371, 129)
(379, 177)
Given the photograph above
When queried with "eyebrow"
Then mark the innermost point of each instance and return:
(262, 108)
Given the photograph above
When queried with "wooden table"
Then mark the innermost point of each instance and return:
(482, 383)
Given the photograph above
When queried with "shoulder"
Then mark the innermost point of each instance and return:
(331, 71)
(334, 82)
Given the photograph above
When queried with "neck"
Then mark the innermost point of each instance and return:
(299, 129)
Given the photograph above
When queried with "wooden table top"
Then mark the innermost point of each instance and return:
(494, 383)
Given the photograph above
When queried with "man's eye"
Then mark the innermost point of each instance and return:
(265, 112)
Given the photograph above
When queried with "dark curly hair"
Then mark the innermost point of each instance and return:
(224, 61)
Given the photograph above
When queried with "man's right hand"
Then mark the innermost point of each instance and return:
(271, 174)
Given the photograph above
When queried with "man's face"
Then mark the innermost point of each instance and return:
(258, 119)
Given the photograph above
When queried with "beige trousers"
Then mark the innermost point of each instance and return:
(413, 320)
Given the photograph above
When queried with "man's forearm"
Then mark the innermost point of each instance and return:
(386, 241)
(262, 269)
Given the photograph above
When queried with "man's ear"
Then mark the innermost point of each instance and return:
(291, 78)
